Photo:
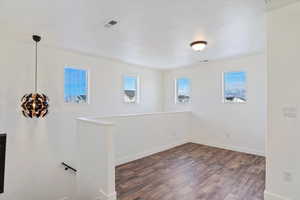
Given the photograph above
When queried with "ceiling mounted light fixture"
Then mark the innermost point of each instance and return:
(198, 45)
(111, 23)
(35, 105)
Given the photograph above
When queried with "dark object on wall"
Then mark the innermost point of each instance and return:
(2, 160)
(35, 105)
(67, 167)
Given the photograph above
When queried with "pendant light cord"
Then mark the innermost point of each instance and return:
(36, 67)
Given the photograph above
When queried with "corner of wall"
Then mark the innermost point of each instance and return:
(163, 93)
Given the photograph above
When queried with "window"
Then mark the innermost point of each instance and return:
(130, 88)
(183, 89)
(235, 87)
(76, 86)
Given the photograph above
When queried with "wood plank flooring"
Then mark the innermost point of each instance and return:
(192, 172)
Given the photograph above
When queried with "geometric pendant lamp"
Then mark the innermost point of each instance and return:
(35, 105)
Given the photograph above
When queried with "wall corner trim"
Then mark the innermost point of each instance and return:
(103, 196)
(272, 196)
(232, 148)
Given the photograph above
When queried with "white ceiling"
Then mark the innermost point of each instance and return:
(273, 4)
(154, 33)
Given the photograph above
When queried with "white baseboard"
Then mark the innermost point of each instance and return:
(272, 196)
(233, 148)
(104, 196)
(130, 158)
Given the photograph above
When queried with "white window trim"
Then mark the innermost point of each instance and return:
(175, 92)
(137, 101)
(88, 84)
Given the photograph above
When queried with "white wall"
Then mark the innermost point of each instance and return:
(240, 127)
(36, 147)
(131, 137)
(95, 178)
(283, 99)
(140, 135)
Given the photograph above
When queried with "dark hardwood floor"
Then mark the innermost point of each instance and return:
(192, 172)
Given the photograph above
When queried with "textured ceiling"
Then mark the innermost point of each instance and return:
(154, 33)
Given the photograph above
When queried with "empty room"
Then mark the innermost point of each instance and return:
(149, 100)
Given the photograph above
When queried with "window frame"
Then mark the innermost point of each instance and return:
(87, 82)
(223, 87)
(137, 101)
(176, 91)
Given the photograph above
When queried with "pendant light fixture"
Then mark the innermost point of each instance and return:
(35, 105)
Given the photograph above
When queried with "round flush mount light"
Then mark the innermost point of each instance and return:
(198, 45)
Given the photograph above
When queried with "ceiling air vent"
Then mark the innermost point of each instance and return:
(110, 23)
(268, 2)
(204, 61)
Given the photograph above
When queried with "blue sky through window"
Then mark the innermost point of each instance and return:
(183, 86)
(235, 85)
(75, 85)
(183, 90)
(130, 83)
(130, 89)
(235, 79)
